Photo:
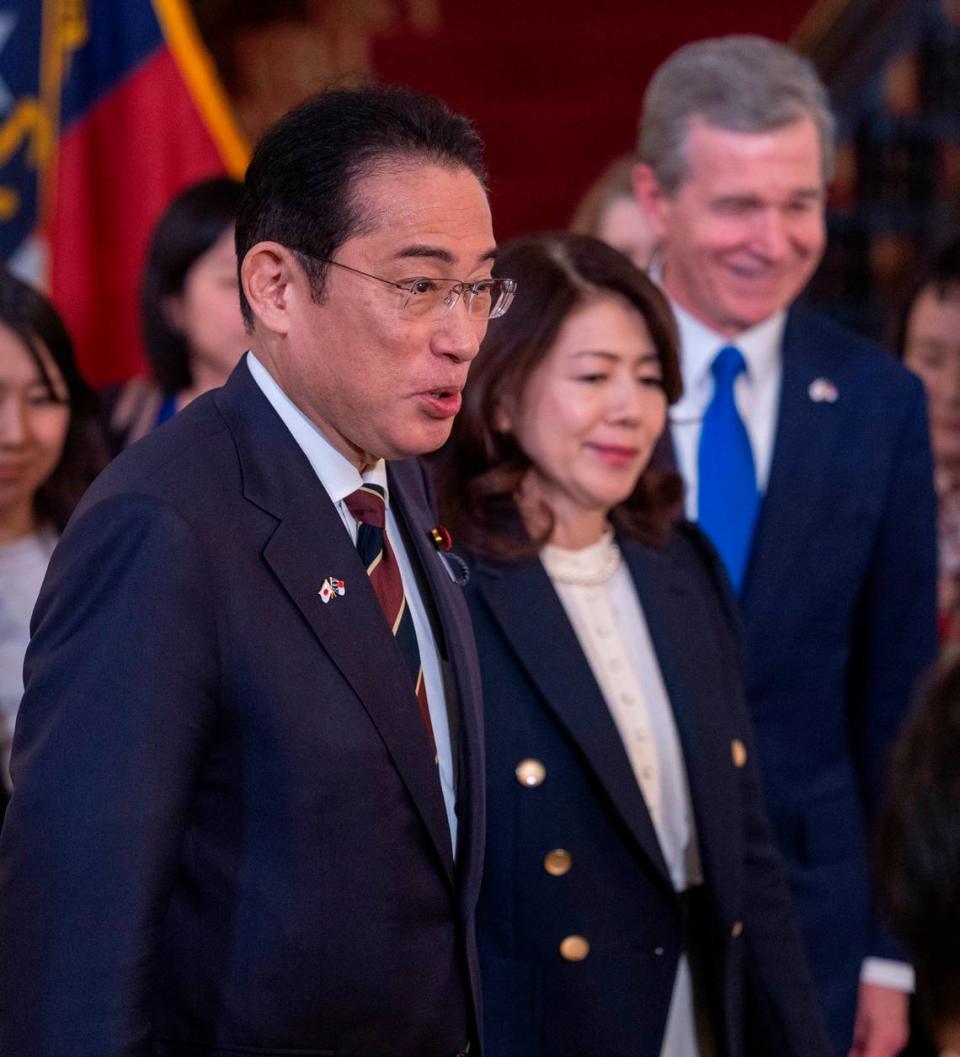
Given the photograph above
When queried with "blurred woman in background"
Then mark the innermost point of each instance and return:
(633, 903)
(609, 212)
(918, 846)
(51, 448)
(189, 308)
(930, 343)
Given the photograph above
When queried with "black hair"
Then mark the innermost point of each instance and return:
(481, 469)
(36, 323)
(300, 188)
(192, 223)
(942, 275)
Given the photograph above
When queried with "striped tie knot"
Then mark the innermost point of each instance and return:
(368, 505)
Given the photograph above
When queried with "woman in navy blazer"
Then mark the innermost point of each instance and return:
(633, 904)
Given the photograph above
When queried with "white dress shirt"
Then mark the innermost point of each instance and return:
(612, 630)
(340, 478)
(757, 393)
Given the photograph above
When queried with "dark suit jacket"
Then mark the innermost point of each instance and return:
(227, 834)
(542, 701)
(839, 607)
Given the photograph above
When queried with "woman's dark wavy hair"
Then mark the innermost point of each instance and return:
(918, 846)
(193, 222)
(481, 470)
(36, 323)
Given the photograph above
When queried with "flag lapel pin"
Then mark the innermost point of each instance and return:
(823, 391)
(332, 587)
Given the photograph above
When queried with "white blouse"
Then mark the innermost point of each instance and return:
(23, 563)
(601, 602)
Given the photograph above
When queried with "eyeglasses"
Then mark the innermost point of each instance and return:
(425, 298)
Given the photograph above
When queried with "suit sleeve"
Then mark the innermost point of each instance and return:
(120, 703)
(894, 639)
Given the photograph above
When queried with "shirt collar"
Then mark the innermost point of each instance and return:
(337, 474)
(759, 344)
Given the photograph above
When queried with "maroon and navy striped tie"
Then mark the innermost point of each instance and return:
(368, 506)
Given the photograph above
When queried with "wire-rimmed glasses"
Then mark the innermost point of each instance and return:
(428, 298)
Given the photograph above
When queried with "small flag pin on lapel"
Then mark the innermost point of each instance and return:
(331, 588)
(441, 537)
(823, 391)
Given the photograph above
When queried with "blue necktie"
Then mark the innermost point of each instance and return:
(728, 500)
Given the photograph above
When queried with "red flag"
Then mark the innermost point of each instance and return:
(142, 116)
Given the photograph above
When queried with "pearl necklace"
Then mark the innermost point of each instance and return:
(562, 567)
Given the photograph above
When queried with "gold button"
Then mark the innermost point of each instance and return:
(531, 773)
(739, 752)
(557, 862)
(574, 948)
(737, 929)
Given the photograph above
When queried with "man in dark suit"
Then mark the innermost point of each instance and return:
(806, 457)
(248, 773)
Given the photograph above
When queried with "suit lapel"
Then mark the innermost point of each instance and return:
(807, 433)
(309, 544)
(686, 647)
(524, 603)
(455, 626)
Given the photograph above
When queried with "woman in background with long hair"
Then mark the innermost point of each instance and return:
(51, 448)
(189, 311)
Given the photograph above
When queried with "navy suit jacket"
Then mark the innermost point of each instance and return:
(542, 702)
(839, 607)
(227, 834)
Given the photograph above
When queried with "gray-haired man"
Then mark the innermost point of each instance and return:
(806, 457)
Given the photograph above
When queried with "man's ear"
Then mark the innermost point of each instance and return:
(650, 197)
(269, 274)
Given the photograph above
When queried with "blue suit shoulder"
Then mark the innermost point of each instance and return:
(859, 359)
(178, 461)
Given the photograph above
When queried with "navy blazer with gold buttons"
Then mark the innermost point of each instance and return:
(579, 927)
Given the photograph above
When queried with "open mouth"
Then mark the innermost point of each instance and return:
(443, 402)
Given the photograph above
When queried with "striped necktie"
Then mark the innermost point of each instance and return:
(728, 499)
(368, 506)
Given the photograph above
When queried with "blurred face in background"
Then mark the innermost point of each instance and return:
(207, 313)
(744, 232)
(623, 225)
(589, 417)
(34, 418)
(933, 352)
